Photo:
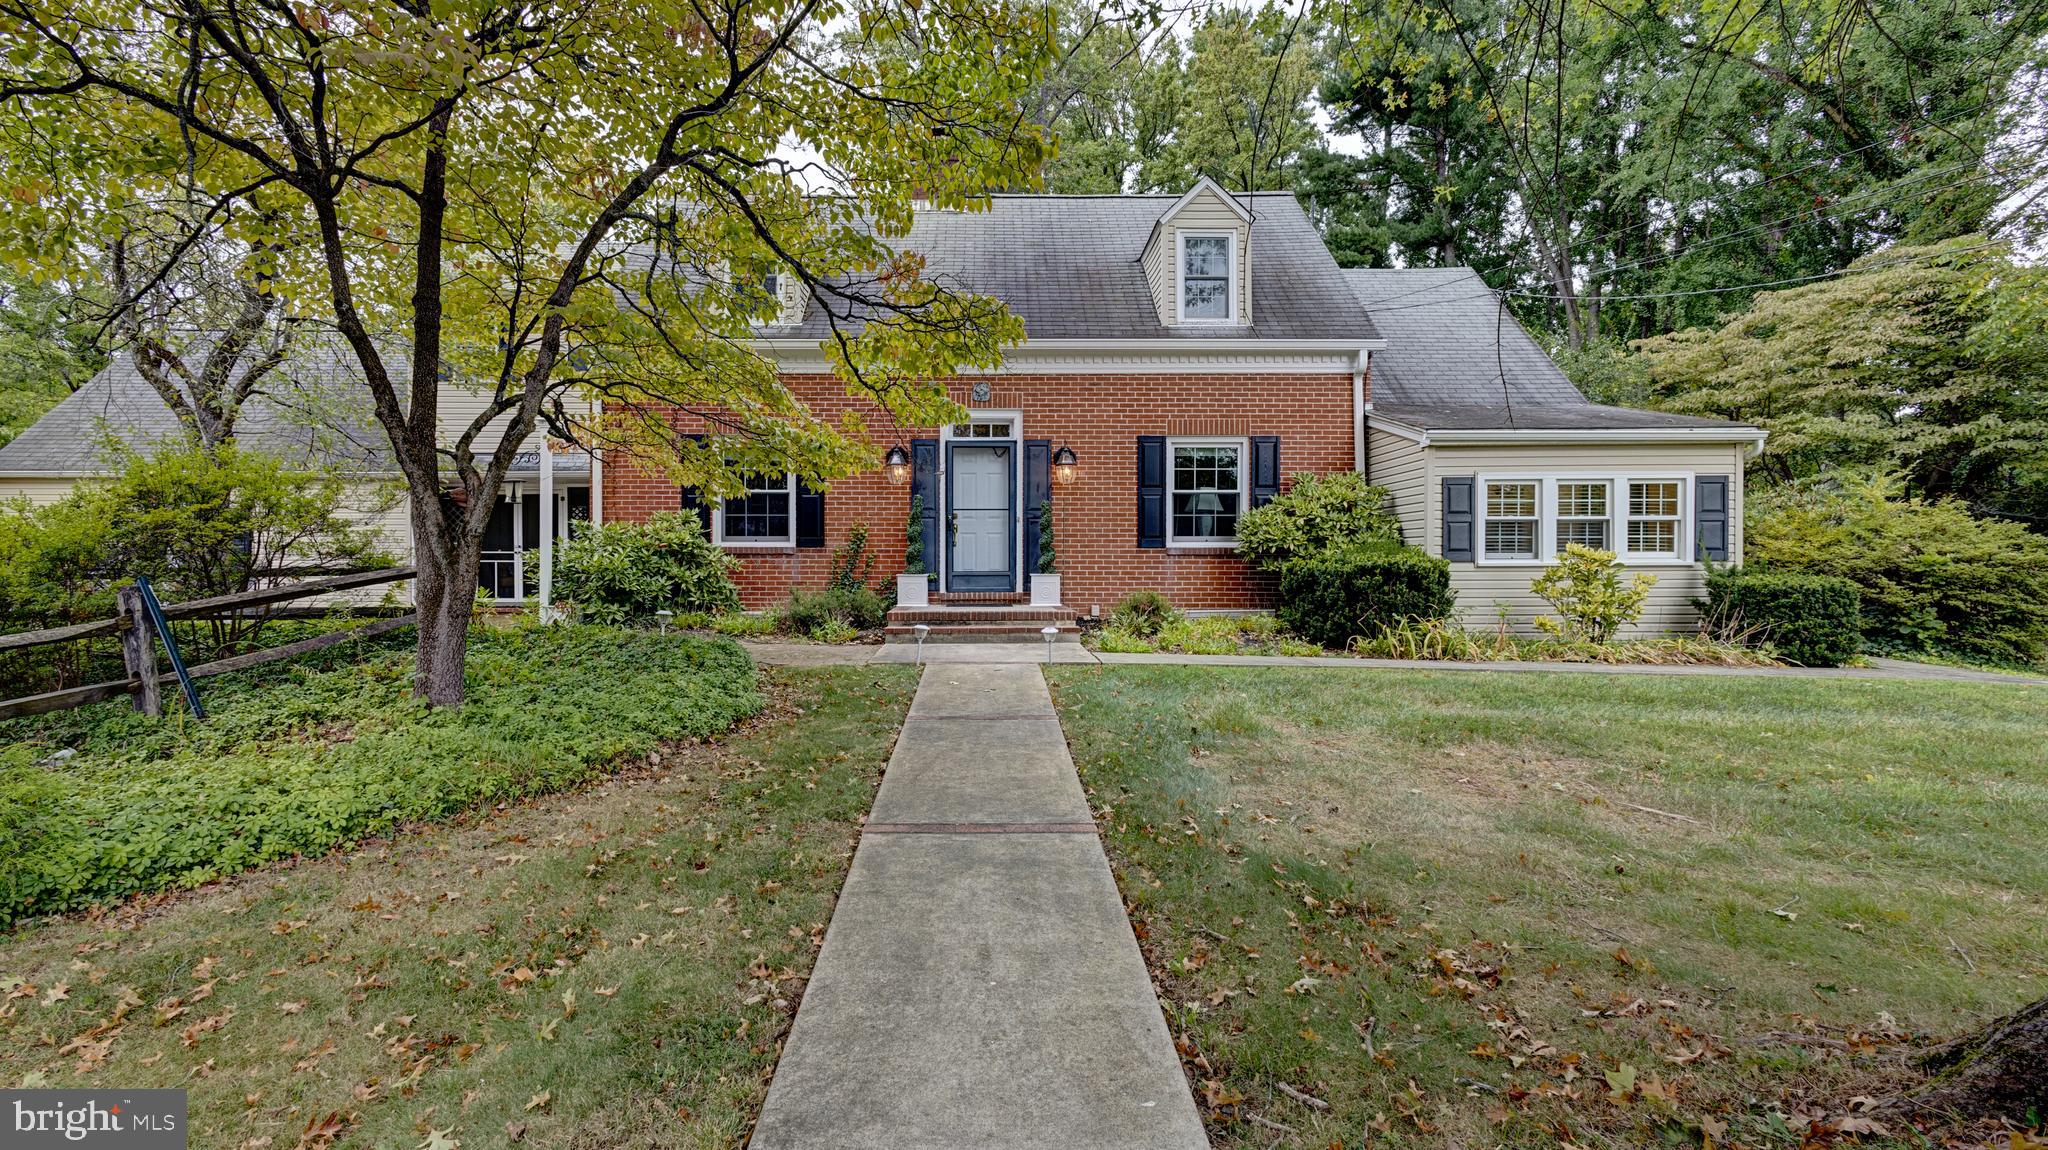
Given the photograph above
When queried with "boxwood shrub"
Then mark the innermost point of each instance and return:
(1811, 620)
(1356, 591)
(301, 758)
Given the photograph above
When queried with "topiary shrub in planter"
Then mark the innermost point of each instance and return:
(1811, 620)
(1355, 591)
(1316, 514)
(625, 572)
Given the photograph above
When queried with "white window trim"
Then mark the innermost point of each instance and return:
(1547, 548)
(1180, 273)
(1244, 487)
(1546, 496)
(785, 544)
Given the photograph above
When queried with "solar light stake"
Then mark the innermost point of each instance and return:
(664, 615)
(922, 629)
(1049, 633)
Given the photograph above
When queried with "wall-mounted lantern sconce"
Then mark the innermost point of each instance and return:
(1064, 466)
(898, 463)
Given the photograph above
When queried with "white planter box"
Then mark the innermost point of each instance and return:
(913, 590)
(1045, 590)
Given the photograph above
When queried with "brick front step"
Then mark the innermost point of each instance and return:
(982, 633)
(948, 614)
(968, 598)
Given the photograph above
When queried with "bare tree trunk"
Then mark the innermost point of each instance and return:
(2000, 1070)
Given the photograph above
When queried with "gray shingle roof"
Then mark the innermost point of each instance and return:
(1580, 416)
(313, 412)
(1070, 267)
(1455, 360)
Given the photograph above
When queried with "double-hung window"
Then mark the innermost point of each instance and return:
(764, 517)
(1205, 277)
(1653, 517)
(1583, 514)
(1205, 491)
(1513, 522)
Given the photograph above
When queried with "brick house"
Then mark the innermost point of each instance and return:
(1195, 353)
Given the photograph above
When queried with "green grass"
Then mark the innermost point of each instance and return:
(300, 758)
(1518, 884)
(612, 967)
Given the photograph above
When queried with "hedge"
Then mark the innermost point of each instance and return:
(1355, 591)
(1811, 620)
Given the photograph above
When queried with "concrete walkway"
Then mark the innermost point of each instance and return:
(948, 654)
(979, 985)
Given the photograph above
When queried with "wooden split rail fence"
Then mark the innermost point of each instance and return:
(145, 683)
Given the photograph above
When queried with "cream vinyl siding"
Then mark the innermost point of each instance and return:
(39, 491)
(1480, 587)
(460, 406)
(1402, 467)
(1207, 212)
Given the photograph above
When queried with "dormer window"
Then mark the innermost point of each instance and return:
(1208, 292)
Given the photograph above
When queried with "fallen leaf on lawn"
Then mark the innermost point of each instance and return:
(191, 1034)
(1858, 1124)
(441, 1140)
(1621, 1080)
(540, 1101)
(57, 994)
(547, 1029)
(514, 1131)
(323, 1050)
(605, 991)
(291, 1007)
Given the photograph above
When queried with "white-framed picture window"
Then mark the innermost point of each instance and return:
(764, 517)
(1585, 514)
(1208, 277)
(1533, 518)
(1655, 517)
(1513, 519)
(1205, 491)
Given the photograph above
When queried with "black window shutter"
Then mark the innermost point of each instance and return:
(1037, 489)
(1265, 468)
(693, 500)
(924, 481)
(1710, 493)
(810, 516)
(1151, 491)
(1459, 517)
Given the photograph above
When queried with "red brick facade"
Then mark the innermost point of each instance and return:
(1095, 518)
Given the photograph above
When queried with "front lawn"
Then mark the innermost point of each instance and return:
(610, 967)
(1543, 910)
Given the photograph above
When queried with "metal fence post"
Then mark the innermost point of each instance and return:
(138, 653)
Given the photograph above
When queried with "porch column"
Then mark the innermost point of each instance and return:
(547, 529)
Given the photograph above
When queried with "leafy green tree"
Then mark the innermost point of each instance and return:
(1932, 361)
(1649, 150)
(46, 349)
(197, 522)
(542, 203)
(1246, 85)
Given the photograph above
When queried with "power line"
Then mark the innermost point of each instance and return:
(1788, 281)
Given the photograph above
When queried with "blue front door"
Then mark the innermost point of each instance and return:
(981, 524)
